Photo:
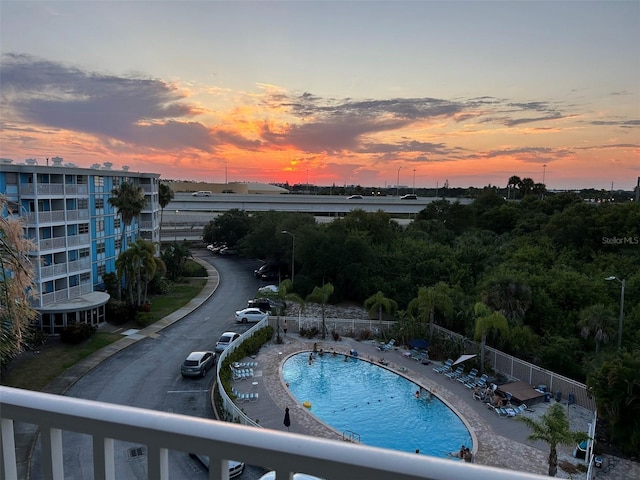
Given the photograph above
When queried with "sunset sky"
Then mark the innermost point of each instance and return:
(355, 93)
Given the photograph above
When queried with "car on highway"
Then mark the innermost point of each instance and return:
(354, 197)
(235, 468)
(197, 363)
(409, 196)
(225, 340)
(202, 193)
(252, 315)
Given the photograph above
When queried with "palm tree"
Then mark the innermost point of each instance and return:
(513, 182)
(321, 295)
(377, 302)
(510, 296)
(17, 288)
(553, 428)
(128, 200)
(165, 195)
(597, 320)
(428, 301)
(487, 320)
(137, 266)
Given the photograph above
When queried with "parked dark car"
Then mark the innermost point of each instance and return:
(267, 305)
(271, 271)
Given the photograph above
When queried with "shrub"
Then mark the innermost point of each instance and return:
(119, 312)
(144, 319)
(193, 269)
(76, 333)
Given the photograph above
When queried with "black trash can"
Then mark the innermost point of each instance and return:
(558, 395)
(547, 397)
(572, 398)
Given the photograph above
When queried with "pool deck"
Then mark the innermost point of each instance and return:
(498, 442)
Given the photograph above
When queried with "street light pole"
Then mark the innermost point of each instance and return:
(622, 285)
(293, 253)
(175, 228)
(414, 181)
(398, 183)
(544, 187)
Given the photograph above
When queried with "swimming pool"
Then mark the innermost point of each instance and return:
(377, 404)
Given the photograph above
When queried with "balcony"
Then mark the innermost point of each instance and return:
(161, 432)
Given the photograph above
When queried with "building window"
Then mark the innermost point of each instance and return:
(118, 243)
(102, 269)
(85, 277)
(83, 203)
(99, 202)
(116, 222)
(84, 253)
(100, 248)
(83, 228)
(99, 226)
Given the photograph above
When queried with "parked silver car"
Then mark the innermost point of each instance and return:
(197, 364)
(225, 340)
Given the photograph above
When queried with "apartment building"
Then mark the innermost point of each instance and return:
(77, 232)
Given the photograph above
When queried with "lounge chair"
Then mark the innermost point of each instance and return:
(420, 355)
(240, 397)
(471, 376)
(387, 346)
(445, 367)
(510, 411)
(455, 373)
(482, 381)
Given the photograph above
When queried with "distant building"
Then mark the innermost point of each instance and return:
(244, 188)
(77, 232)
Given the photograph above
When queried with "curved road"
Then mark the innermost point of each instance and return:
(147, 375)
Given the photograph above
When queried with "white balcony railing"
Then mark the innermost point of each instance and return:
(161, 432)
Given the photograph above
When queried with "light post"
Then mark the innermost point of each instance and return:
(414, 181)
(175, 228)
(622, 284)
(544, 187)
(398, 183)
(293, 253)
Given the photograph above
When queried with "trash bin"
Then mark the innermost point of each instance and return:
(572, 398)
(558, 396)
(547, 397)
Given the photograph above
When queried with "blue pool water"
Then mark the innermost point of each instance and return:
(379, 405)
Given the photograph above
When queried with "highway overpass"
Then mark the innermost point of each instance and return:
(186, 215)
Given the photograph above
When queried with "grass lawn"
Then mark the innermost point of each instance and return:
(33, 370)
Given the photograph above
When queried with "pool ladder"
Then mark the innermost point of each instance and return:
(349, 436)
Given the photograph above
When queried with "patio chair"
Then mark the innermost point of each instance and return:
(240, 397)
(419, 355)
(387, 346)
(471, 376)
(455, 373)
(482, 381)
(510, 411)
(445, 367)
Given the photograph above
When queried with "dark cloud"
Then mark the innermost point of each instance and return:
(529, 154)
(138, 111)
(618, 123)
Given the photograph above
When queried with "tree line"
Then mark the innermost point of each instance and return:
(527, 276)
